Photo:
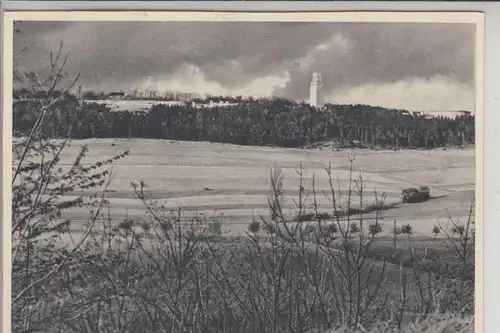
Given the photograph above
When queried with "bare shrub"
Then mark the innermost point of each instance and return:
(436, 230)
(407, 229)
(354, 228)
(254, 227)
(40, 183)
(375, 229)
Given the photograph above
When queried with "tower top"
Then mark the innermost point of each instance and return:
(316, 77)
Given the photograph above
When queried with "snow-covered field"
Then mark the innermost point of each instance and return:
(146, 105)
(232, 180)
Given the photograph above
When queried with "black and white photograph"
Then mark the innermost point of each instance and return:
(244, 172)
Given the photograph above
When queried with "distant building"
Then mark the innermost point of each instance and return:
(212, 104)
(117, 95)
(316, 97)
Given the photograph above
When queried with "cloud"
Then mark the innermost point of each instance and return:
(388, 53)
(437, 93)
(238, 57)
(191, 79)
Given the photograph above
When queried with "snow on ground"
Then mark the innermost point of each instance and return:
(134, 105)
(212, 178)
(146, 105)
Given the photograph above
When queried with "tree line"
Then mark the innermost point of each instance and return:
(264, 122)
(25, 93)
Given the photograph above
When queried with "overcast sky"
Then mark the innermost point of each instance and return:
(410, 66)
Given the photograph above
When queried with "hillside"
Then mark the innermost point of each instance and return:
(275, 123)
(232, 181)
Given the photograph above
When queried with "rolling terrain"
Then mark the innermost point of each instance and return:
(232, 181)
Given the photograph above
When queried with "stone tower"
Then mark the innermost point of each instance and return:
(316, 97)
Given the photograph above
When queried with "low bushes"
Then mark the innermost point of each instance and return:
(413, 194)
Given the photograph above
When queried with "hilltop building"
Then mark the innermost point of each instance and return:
(117, 95)
(316, 97)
